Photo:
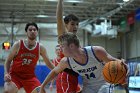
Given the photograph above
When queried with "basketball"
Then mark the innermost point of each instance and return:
(114, 72)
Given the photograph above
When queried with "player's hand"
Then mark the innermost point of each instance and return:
(125, 65)
(42, 90)
(7, 77)
(51, 87)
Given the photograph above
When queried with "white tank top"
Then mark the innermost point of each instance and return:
(91, 72)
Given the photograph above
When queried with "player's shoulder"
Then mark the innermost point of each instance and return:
(98, 48)
(16, 43)
(41, 46)
(15, 46)
(64, 62)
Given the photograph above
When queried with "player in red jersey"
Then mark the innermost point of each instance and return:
(65, 83)
(21, 62)
(55, 61)
(69, 24)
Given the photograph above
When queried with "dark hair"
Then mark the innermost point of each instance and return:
(29, 24)
(70, 38)
(70, 17)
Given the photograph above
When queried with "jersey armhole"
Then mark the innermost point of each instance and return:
(95, 55)
(20, 41)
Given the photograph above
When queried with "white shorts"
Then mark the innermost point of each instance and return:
(107, 88)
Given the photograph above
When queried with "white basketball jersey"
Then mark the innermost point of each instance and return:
(91, 72)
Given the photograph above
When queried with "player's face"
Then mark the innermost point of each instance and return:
(72, 26)
(57, 51)
(32, 32)
(65, 49)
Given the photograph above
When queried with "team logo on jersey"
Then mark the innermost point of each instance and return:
(28, 55)
(88, 73)
(91, 69)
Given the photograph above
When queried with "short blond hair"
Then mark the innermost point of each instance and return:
(70, 38)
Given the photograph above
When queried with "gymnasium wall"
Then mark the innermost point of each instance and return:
(112, 46)
(50, 44)
(133, 42)
(47, 36)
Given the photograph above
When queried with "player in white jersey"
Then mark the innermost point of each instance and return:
(88, 62)
(90, 72)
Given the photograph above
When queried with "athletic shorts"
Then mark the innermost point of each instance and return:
(28, 84)
(66, 83)
(106, 88)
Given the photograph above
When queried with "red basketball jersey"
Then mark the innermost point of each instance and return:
(25, 61)
(56, 61)
(65, 83)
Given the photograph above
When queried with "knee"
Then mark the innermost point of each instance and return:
(9, 91)
(6, 91)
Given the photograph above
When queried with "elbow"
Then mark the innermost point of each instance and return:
(56, 71)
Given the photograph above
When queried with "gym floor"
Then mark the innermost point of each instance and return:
(54, 91)
(22, 90)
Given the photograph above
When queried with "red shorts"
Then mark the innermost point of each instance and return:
(78, 88)
(28, 84)
(66, 83)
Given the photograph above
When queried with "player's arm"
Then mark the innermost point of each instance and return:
(60, 22)
(45, 57)
(12, 54)
(59, 68)
(52, 82)
(51, 85)
(102, 54)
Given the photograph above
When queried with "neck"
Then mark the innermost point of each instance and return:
(30, 43)
(79, 54)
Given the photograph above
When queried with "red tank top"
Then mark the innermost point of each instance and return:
(25, 61)
(56, 61)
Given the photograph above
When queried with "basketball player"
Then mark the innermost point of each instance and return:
(67, 81)
(69, 24)
(55, 61)
(20, 63)
(64, 81)
(87, 62)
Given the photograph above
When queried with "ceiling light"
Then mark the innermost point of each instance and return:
(71, 1)
(125, 0)
(74, 1)
(41, 16)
